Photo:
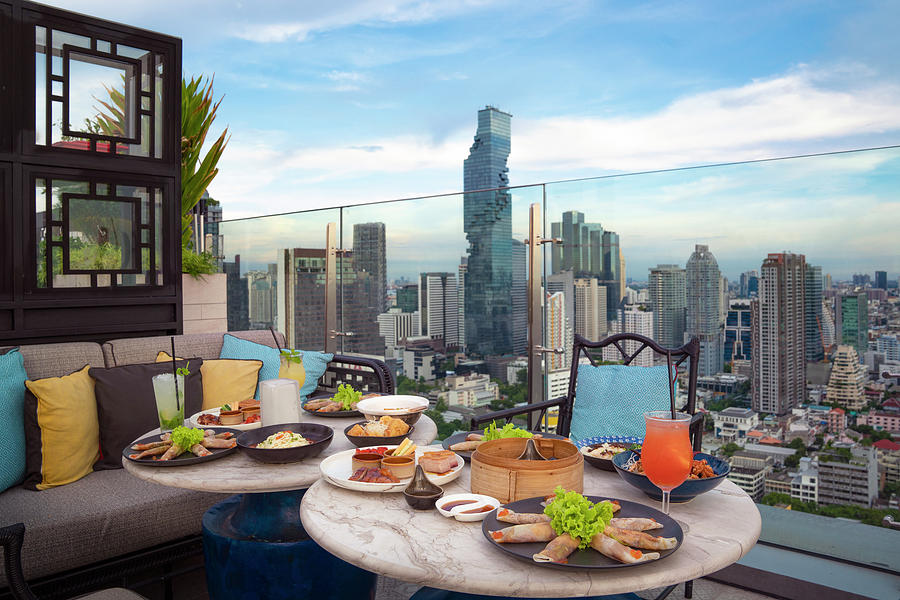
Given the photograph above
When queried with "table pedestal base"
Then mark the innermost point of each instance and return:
(255, 547)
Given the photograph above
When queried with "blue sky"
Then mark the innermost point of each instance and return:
(353, 102)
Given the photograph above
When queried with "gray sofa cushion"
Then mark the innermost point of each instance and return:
(56, 360)
(106, 514)
(130, 351)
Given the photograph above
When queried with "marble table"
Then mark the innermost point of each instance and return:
(380, 533)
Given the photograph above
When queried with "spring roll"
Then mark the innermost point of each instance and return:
(173, 452)
(150, 445)
(475, 437)
(199, 450)
(225, 435)
(635, 523)
(316, 404)
(531, 532)
(607, 546)
(465, 446)
(510, 516)
(218, 443)
(558, 550)
(150, 452)
(639, 539)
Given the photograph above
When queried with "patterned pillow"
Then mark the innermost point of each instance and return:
(612, 399)
(12, 425)
(235, 347)
(315, 364)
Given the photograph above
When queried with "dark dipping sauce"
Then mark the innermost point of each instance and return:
(480, 509)
(454, 504)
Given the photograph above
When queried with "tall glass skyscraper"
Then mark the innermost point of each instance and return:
(815, 349)
(369, 249)
(703, 281)
(669, 301)
(487, 220)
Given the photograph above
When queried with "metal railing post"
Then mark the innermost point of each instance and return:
(330, 287)
(535, 329)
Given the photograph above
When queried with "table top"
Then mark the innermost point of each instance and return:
(238, 474)
(380, 533)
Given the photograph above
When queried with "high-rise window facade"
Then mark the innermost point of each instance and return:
(703, 311)
(851, 313)
(669, 300)
(487, 220)
(815, 349)
(369, 248)
(438, 310)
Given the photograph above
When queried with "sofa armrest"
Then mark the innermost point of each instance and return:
(368, 374)
(11, 539)
(508, 413)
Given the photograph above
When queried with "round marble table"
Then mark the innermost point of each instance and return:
(380, 533)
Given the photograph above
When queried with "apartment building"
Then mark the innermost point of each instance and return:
(851, 482)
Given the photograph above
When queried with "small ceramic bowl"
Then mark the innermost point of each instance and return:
(683, 493)
(460, 506)
(369, 460)
(402, 467)
(421, 494)
(231, 417)
(249, 412)
(320, 437)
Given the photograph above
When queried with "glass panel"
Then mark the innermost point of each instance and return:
(72, 39)
(102, 189)
(103, 46)
(40, 85)
(130, 52)
(56, 88)
(101, 96)
(275, 269)
(101, 235)
(159, 108)
(158, 230)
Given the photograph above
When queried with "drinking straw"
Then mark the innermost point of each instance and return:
(175, 374)
(671, 384)
(275, 337)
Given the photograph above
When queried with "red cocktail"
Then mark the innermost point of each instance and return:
(666, 453)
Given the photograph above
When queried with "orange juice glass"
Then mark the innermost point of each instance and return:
(666, 453)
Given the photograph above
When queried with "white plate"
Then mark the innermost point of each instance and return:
(215, 411)
(379, 406)
(458, 512)
(337, 469)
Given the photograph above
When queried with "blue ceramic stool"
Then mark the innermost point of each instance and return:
(427, 593)
(255, 548)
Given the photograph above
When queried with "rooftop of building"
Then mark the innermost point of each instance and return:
(734, 411)
(887, 445)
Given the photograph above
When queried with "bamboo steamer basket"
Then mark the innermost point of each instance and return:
(496, 470)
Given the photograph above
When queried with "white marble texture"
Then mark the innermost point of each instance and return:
(237, 473)
(381, 533)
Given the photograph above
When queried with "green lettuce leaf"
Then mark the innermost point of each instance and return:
(346, 395)
(185, 437)
(572, 513)
(508, 431)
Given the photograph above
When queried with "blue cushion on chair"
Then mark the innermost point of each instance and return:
(612, 399)
(315, 364)
(12, 423)
(237, 348)
(427, 593)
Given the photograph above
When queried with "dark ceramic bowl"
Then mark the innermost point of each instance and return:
(421, 494)
(363, 441)
(688, 490)
(319, 435)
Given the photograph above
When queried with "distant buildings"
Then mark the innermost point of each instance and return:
(704, 301)
(845, 385)
(886, 421)
(668, 299)
(779, 355)
(881, 279)
(738, 344)
(590, 309)
(749, 472)
(369, 250)
(470, 391)
(438, 311)
(396, 325)
(261, 290)
(632, 320)
(487, 221)
(556, 332)
(851, 482)
(408, 298)
(237, 295)
(815, 350)
(519, 298)
(851, 312)
(749, 284)
(733, 423)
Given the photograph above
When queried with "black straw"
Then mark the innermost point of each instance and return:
(175, 374)
(275, 337)
(671, 383)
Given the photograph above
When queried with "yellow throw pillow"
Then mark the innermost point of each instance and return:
(62, 430)
(225, 380)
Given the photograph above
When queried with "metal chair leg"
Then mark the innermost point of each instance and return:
(689, 589)
(665, 593)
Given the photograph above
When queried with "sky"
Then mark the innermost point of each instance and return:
(351, 102)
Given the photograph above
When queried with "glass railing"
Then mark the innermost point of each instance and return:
(437, 288)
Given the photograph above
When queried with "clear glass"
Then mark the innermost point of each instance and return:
(666, 452)
(292, 367)
(169, 404)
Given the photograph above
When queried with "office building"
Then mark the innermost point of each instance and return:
(461, 300)
(590, 309)
(815, 349)
(778, 379)
(668, 300)
(519, 297)
(396, 325)
(438, 310)
(851, 482)
(420, 364)
(733, 423)
(301, 297)
(261, 298)
(749, 472)
(703, 286)
(487, 221)
(851, 313)
(408, 298)
(556, 332)
(805, 484)
(471, 391)
(369, 250)
(847, 380)
(738, 333)
(632, 320)
(828, 333)
(881, 279)
(888, 345)
(749, 284)
(237, 295)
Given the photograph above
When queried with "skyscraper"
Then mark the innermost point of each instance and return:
(845, 385)
(668, 299)
(590, 309)
(749, 284)
(631, 320)
(438, 310)
(487, 220)
(408, 298)
(261, 299)
(738, 337)
(461, 299)
(237, 295)
(703, 283)
(519, 298)
(369, 250)
(779, 341)
(881, 279)
(557, 335)
(815, 349)
(851, 314)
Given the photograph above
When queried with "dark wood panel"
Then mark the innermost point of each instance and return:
(6, 320)
(95, 317)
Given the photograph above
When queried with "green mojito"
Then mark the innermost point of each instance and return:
(169, 407)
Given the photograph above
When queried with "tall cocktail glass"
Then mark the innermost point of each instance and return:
(666, 453)
(292, 367)
(170, 410)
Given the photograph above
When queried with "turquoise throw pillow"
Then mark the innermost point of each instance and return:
(314, 363)
(12, 425)
(612, 399)
(237, 348)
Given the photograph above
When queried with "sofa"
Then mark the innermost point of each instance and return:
(80, 527)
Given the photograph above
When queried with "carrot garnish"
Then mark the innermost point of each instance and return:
(502, 512)
(497, 535)
(636, 553)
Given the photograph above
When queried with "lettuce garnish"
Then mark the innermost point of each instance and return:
(185, 437)
(346, 395)
(572, 513)
(508, 431)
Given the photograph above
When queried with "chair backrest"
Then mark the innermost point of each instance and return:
(675, 357)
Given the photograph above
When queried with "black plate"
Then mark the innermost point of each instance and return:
(185, 459)
(467, 454)
(319, 435)
(363, 441)
(341, 414)
(587, 558)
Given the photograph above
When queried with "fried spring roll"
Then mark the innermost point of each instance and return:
(218, 443)
(558, 550)
(315, 404)
(199, 450)
(173, 452)
(225, 435)
(639, 539)
(331, 407)
(150, 445)
(166, 437)
(635, 523)
(465, 446)
(531, 532)
(607, 546)
(475, 437)
(510, 516)
(150, 452)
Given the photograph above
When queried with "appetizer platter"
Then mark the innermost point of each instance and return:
(244, 416)
(599, 451)
(622, 533)
(465, 442)
(341, 405)
(386, 430)
(406, 408)
(363, 469)
(182, 446)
